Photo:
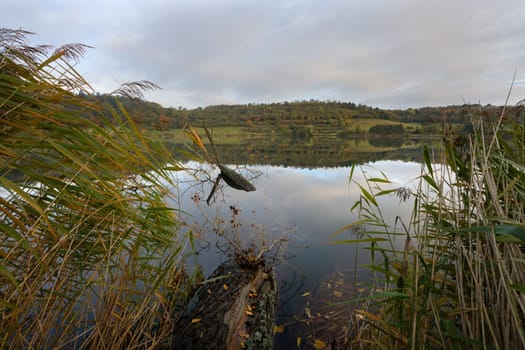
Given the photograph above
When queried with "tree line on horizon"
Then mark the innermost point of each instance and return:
(151, 115)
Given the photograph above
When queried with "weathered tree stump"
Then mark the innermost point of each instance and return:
(235, 310)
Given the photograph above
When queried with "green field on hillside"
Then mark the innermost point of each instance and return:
(240, 134)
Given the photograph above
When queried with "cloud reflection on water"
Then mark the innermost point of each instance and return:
(307, 206)
(314, 203)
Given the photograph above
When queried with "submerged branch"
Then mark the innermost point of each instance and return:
(230, 176)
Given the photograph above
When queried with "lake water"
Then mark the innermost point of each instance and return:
(305, 206)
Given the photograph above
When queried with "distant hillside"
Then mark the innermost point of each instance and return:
(316, 114)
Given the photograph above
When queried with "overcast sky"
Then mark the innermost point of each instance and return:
(383, 53)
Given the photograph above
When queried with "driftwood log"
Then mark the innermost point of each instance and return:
(235, 310)
(232, 178)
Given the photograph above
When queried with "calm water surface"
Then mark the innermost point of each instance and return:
(304, 206)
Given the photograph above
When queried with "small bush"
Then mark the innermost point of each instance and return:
(388, 129)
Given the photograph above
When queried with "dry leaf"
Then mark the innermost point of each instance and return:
(196, 320)
(244, 334)
(161, 298)
(225, 286)
(278, 328)
(197, 140)
(307, 312)
(248, 310)
(305, 294)
(299, 340)
(338, 294)
(319, 344)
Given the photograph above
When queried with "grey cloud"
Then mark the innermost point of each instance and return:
(389, 54)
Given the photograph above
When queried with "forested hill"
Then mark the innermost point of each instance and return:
(151, 115)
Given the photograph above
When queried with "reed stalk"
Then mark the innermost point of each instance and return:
(459, 280)
(90, 254)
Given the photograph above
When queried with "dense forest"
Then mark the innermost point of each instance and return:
(299, 118)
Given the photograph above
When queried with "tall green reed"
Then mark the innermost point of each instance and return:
(458, 281)
(90, 253)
